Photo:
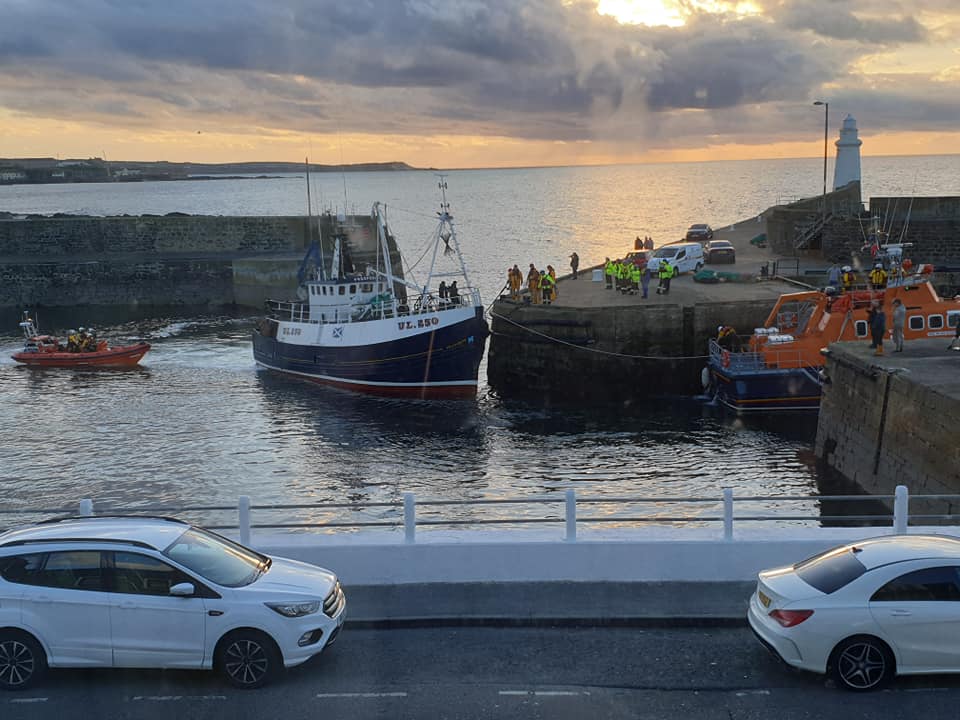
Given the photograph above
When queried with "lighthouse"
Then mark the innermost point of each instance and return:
(847, 167)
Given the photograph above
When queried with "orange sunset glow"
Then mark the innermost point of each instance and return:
(491, 84)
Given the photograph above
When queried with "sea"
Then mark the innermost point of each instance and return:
(198, 425)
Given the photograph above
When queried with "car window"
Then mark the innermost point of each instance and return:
(143, 575)
(215, 558)
(71, 570)
(21, 569)
(928, 585)
(830, 571)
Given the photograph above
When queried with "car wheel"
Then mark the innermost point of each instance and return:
(862, 663)
(22, 660)
(248, 659)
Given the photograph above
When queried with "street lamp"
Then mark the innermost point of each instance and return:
(826, 125)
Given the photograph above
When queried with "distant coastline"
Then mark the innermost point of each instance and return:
(43, 171)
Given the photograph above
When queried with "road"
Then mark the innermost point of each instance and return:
(487, 672)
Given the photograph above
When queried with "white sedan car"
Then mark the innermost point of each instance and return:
(867, 611)
(156, 593)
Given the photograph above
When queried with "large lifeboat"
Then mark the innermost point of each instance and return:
(47, 351)
(778, 366)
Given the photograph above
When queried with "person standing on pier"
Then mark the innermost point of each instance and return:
(645, 280)
(899, 321)
(608, 273)
(574, 264)
(666, 272)
(878, 326)
(553, 282)
(533, 284)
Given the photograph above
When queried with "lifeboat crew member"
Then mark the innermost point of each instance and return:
(666, 272)
(878, 277)
(553, 285)
(726, 337)
(533, 284)
(634, 279)
(608, 273)
(546, 287)
(73, 341)
(847, 278)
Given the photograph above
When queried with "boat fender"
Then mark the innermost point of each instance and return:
(705, 377)
(725, 358)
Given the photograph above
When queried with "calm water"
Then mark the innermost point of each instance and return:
(198, 424)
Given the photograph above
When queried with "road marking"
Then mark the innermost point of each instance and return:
(544, 693)
(175, 698)
(28, 700)
(362, 695)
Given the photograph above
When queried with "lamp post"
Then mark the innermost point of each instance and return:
(826, 125)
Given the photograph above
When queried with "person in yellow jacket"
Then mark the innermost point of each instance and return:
(553, 285)
(608, 273)
(666, 273)
(634, 279)
(533, 284)
(516, 282)
(847, 279)
(878, 277)
(546, 287)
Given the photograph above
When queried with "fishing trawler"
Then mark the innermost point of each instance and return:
(373, 330)
(779, 366)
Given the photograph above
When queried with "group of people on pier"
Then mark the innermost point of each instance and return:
(632, 277)
(542, 284)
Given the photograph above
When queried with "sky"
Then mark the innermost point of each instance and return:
(475, 83)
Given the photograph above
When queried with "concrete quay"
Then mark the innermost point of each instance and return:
(892, 420)
(597, 344)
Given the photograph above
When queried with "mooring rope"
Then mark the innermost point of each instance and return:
(596, 350)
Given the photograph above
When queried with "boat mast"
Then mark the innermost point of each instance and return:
(378, 212)
(447, 233)
(322, 270)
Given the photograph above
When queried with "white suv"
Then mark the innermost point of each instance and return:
(156, 593)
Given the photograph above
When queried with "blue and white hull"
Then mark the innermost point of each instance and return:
(766, 390)
(423, 355)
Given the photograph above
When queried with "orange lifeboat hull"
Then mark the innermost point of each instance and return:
(123, 356)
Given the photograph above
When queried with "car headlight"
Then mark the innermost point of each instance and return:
(295, 609)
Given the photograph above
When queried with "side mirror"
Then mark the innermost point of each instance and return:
(184, 589)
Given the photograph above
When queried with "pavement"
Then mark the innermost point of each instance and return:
(549, 604)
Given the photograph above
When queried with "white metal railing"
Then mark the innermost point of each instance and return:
(405, 514)
(376, 310)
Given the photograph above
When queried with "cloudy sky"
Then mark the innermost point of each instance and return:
(474, 83)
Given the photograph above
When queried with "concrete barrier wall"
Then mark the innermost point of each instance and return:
(636, 557)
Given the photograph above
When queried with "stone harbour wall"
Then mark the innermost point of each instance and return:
(174, 260)
(888, 423)
(559, 354)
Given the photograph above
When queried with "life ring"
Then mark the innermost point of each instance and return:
(725, 358)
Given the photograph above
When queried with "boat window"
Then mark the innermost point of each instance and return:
(916, 322)
(953, 318)
(343, 289)
(860, 328)
(366, 287)
(324, 289)
(935, 322)
(353, 289)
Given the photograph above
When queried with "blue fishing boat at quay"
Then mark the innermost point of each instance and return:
(373, 330)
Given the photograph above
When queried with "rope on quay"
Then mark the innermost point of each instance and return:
(595, 350)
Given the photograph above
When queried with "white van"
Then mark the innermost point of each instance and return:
(684, 257)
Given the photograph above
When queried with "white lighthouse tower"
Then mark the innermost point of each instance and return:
(847, 167)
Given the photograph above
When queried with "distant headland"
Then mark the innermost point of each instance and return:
(53, 170)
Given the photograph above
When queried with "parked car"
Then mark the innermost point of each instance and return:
(718, 251)
(683, 256)
(156, 593)
(700, 232)
(866, 611)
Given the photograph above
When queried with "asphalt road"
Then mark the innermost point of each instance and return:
(487, 672)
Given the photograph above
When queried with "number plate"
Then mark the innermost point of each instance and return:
(764, 600)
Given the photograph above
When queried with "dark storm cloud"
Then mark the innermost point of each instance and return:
(835, 19)
(547, 69)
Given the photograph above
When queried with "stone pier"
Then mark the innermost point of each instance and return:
(893, 420)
